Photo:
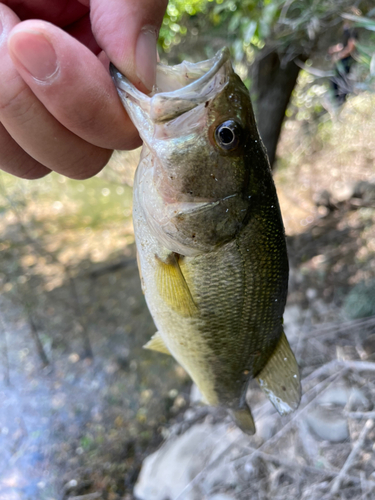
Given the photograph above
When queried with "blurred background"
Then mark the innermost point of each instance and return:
(82, 404)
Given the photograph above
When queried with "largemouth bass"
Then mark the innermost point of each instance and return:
(209, 234)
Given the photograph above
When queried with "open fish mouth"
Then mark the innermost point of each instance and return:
(178, 89)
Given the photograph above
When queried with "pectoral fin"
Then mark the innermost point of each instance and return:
(156, 343)
(243, 419)
(173, 288)
(280, 378)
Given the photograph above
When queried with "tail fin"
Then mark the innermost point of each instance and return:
(280, 379)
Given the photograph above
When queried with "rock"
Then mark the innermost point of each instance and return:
(324, 199)
(293, 318)
(195, 395)
(311, 293)
(167, 472)
(328, 424)
(327, 419)
(359, 303)
(342, 395)
(364, 190)
(266, 427)
(369, 345)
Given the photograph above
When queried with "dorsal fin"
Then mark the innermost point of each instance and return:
(280, 379)
(156, 343)
(173, 288)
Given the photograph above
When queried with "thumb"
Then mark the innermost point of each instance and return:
(127, 31)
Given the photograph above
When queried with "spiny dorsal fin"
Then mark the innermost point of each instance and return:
(243, 419)
(156, 343)
(173, 288)
(280, 378)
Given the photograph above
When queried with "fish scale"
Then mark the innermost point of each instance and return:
(210, 238)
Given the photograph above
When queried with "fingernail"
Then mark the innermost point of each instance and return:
(145, 56)
(35, 52)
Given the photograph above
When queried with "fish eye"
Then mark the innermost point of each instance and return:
(227, 135)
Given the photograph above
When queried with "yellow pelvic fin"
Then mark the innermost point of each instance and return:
(173, 288)
(243, 419)
(156, 343)
(280, 378)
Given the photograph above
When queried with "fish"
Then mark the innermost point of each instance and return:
(209, 234)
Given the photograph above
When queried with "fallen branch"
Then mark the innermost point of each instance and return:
(5, 353)
(291, 422)
(35, 335)
(89, 496)
(349, 461)
(342, 363)
(309, 468)
(359, 415)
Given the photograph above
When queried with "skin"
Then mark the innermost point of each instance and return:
(59, 110)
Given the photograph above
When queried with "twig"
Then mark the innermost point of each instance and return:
(358, 365)
(322, 331)
(291, 422)
(359, 415)
(322, 370)
(349, 461)
(5, 353)
(309, 468)
(314, 71)
(110, 268)
(342, 363)
(89, 496)
(35, 336)
(77, 306)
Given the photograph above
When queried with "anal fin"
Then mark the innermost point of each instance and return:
(243, 419)
(173, 288)
(156, 343)
(280, 379)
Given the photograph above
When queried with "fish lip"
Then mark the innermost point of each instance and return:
(189, 96)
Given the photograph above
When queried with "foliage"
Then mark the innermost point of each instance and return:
(197, 28)
(294, 27)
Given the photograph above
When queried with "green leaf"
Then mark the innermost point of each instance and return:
(361, 21)
(249, 31)
(372, 65)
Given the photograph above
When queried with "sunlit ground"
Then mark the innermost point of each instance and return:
(81, 402)
(329, 155)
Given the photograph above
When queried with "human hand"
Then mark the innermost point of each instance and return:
(59, 109)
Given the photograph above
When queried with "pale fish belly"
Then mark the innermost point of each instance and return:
(180, 333)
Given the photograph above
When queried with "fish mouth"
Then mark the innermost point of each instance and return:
(178, 89)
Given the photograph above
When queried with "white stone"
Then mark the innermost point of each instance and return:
(195, 395)
(293, 318)
(167, 473)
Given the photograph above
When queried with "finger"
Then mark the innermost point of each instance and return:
(127, 31)
(61, 13)
(72, 84)
(81, 30)
(16, 161)
(33, 128)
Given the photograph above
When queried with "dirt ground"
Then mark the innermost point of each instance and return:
(82, 403)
